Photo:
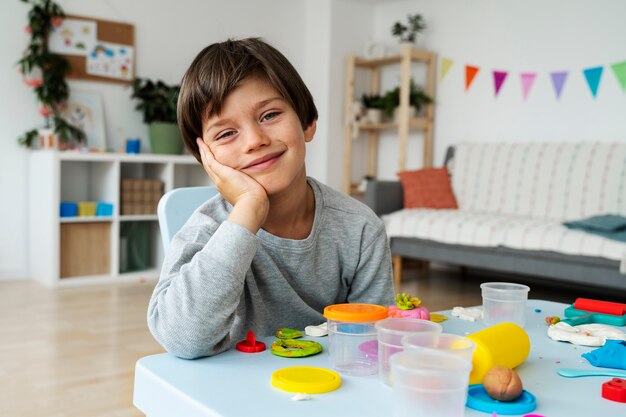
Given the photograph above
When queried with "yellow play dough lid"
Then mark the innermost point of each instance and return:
(306, 379)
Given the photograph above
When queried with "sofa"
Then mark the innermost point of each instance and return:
(513, 200)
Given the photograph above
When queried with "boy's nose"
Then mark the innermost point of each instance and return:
(256, 138)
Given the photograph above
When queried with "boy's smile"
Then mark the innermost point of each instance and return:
(258, 132)
(264, 161)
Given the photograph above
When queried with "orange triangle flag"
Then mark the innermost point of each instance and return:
(470, 74)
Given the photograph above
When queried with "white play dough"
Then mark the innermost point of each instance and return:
(585, 334)
(317, 331)
(468, 314)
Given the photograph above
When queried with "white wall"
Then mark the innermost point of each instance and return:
(531, 35)
(316, 35)
(168, 34)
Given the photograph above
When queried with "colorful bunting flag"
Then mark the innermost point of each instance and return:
(558, 80)
(498, 80)
(593, 75)
(619, 69)
(528, 79)
(470, 74)
(446, 64)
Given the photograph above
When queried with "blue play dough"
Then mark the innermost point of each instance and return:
(611, 355)
(478, 399)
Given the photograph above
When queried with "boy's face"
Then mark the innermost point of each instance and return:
(258, 133)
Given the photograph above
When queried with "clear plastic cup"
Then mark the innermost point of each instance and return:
(445, 342)
(390, 333)
(429, 383)
(352, 337)
(504, 302)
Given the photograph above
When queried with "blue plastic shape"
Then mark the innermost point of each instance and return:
(69, 209)
(104, 209)
(133, 145)
(478, 399)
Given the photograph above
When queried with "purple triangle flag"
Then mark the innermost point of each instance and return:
(558, 80)
(593, 75)
(498, 80)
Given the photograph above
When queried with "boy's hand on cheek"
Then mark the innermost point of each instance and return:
(249, 199)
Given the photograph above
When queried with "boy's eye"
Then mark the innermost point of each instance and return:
(270, 115)
(225, 134)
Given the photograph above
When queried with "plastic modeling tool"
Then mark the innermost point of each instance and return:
(595, 312)
(597, 306)
(250, 344)
(478, 399)
(615, 390)
(577, 373)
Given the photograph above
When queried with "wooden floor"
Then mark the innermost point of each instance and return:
(71, 352)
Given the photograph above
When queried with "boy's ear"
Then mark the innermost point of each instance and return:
(309, 132)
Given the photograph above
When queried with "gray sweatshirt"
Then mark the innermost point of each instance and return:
(219, 280)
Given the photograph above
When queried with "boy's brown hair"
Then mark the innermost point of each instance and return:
(220, 67)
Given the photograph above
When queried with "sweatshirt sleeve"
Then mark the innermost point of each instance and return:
(373, 280)
(193, 305)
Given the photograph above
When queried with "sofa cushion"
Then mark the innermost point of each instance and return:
(492, 230)
(427, 188)
(562, 181)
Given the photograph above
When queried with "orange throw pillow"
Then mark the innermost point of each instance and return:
(427, 188)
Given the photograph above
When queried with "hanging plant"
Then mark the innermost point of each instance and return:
(45, 72)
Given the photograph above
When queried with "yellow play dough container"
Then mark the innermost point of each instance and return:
(504, 344)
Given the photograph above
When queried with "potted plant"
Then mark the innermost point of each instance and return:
(157, 102)
(408, 33)
(417, 100)
(374, 106)
(45, 72)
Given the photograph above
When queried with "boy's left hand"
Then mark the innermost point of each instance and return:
(249, 199)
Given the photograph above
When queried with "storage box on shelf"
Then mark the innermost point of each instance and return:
(111, 246)
(404, 121)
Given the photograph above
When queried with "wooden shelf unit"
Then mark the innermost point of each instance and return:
(407, 57)
(90, 250)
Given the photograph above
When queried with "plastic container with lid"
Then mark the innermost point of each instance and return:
(352, 337)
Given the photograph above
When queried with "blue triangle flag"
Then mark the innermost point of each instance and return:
(593, 76)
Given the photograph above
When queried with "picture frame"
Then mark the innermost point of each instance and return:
(84, 110)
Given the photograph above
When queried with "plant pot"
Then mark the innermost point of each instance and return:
(165, 138)
(47, 139)
(374, 115)
(396, 113)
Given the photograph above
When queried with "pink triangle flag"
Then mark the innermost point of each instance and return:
(528, 78)
(498, 80)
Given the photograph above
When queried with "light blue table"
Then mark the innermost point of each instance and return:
(238, 384)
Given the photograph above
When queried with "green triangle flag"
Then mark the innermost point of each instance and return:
(446, 63)
(619, 69)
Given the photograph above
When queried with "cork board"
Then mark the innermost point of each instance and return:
(98, 50)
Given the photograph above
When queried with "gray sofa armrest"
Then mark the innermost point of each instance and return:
(384, 196)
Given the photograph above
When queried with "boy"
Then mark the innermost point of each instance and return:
(275, 247)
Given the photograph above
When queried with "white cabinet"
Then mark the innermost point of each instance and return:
(97, 249)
